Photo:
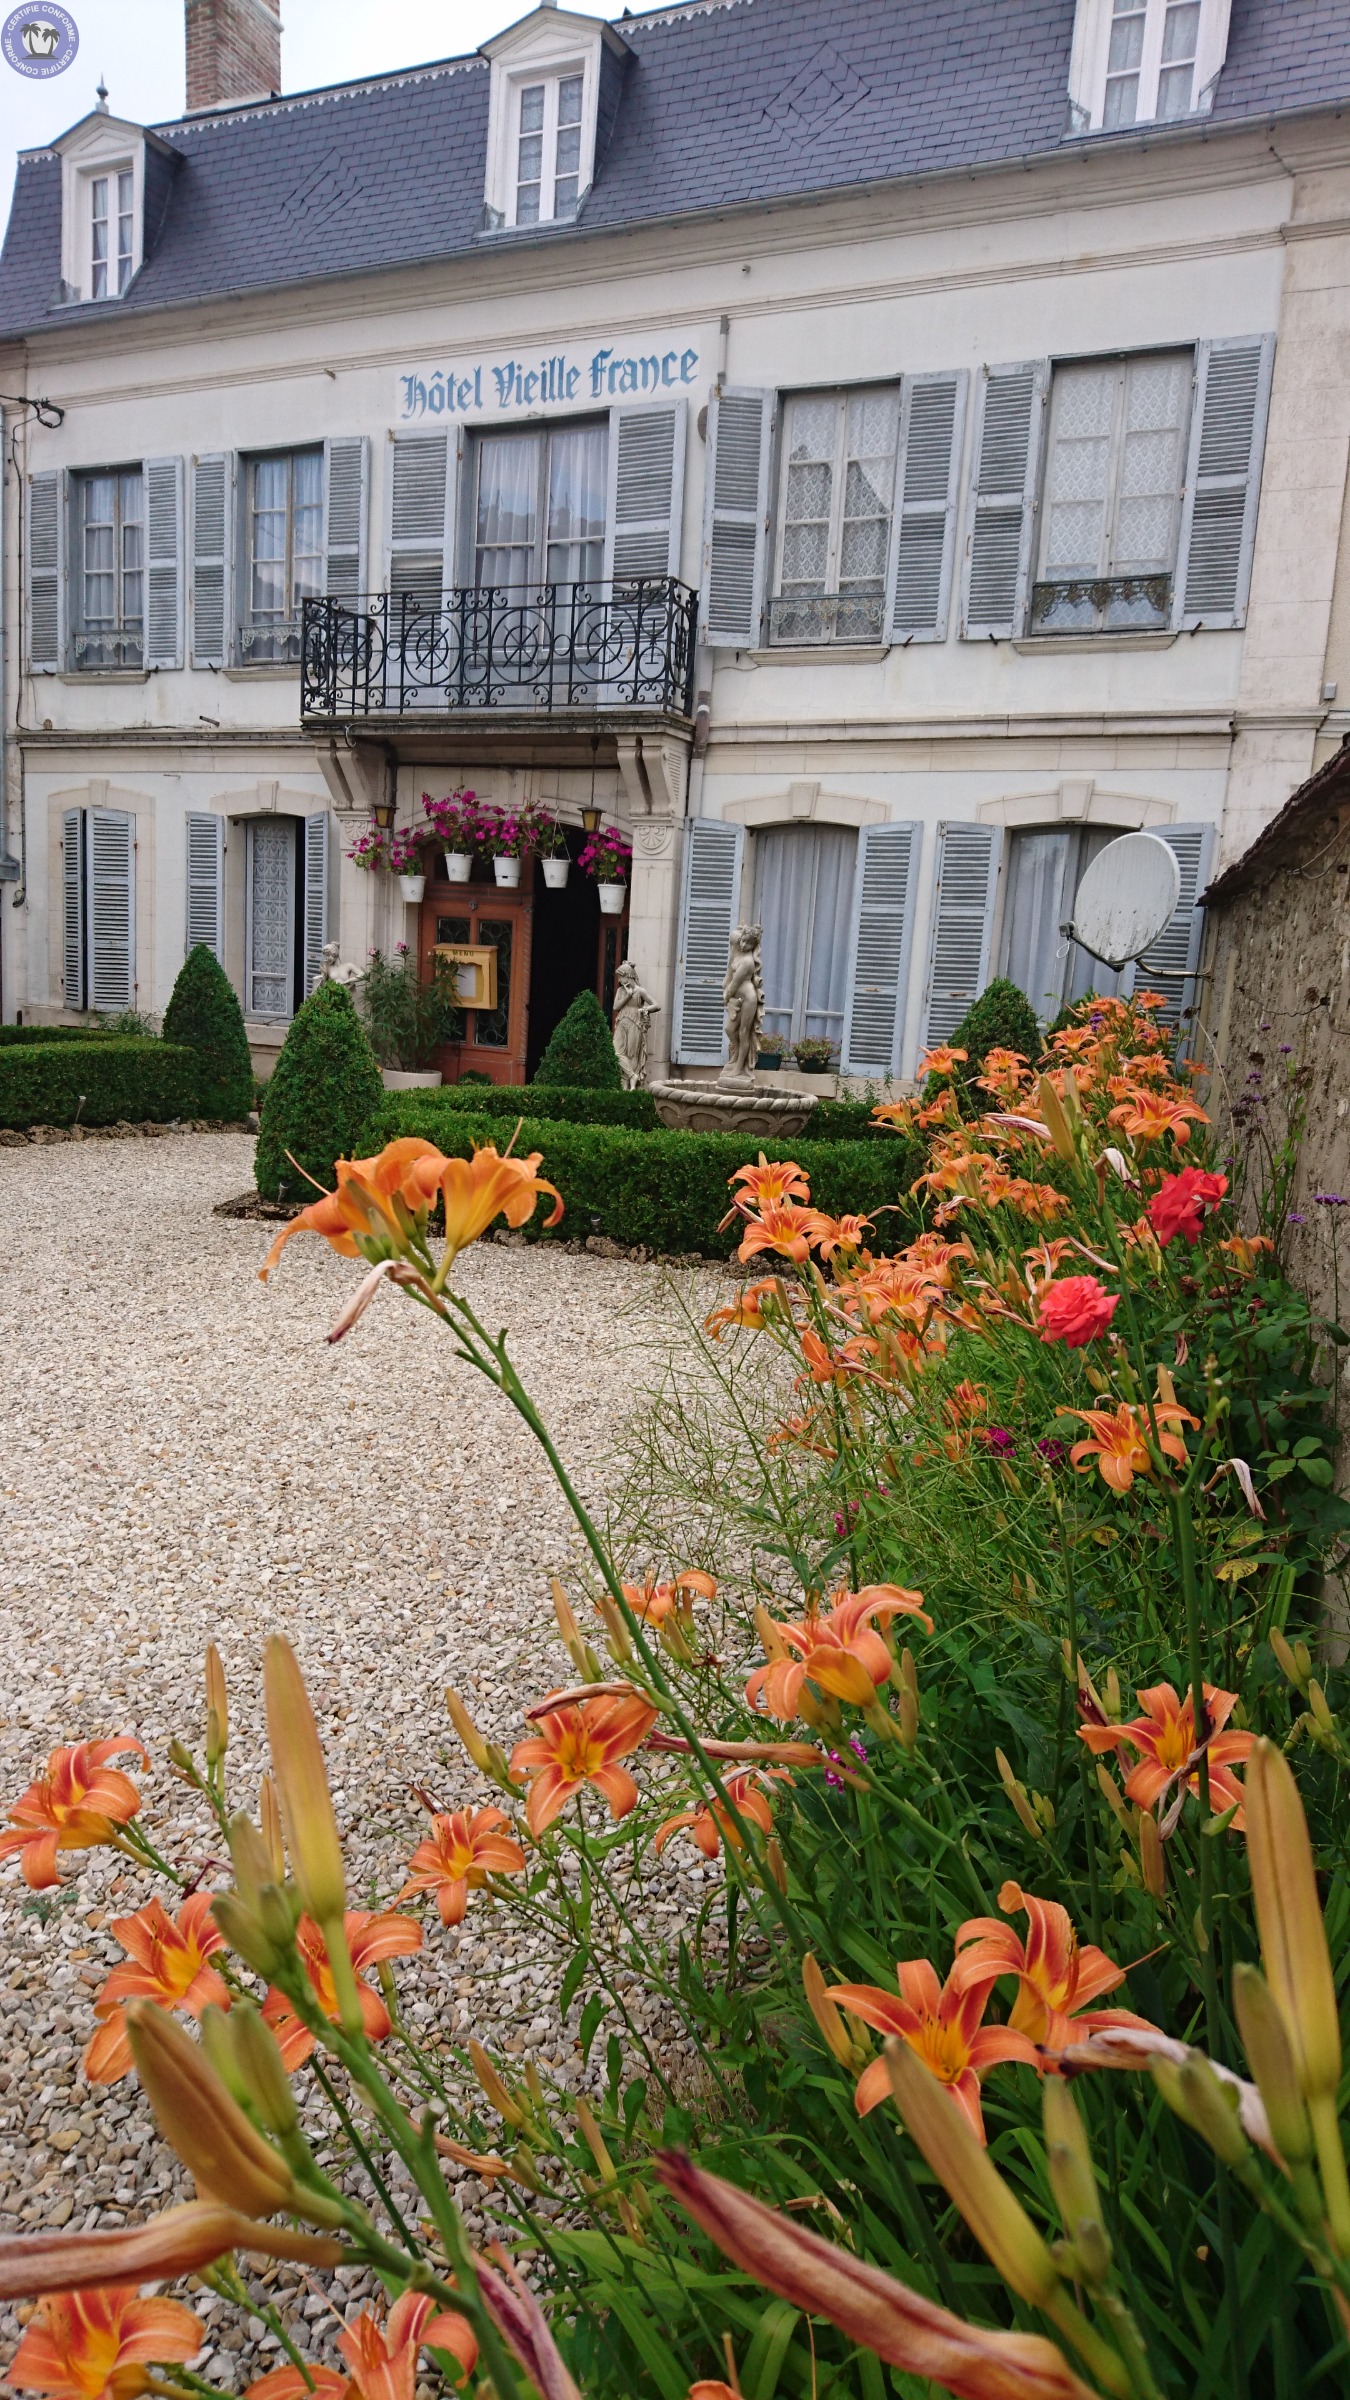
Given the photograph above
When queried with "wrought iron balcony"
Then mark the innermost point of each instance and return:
(581, 647)
(1102, 604)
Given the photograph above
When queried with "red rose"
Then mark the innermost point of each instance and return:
(1076, 1310)
(1179, 1204)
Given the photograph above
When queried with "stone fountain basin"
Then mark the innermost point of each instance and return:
(744, 1107)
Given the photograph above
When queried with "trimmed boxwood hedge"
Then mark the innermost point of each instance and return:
(576, 1104)
(667, 1191)
(22, 1037)
(129, 1079)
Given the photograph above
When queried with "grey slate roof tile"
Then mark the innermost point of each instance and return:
(721, 105)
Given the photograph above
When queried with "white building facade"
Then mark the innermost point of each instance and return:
(871, 455)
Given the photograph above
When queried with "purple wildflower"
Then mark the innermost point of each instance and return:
(1331, 1200)
(1054, 1453)
(998, 1439)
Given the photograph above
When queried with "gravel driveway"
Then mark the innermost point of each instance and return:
(184, 1459)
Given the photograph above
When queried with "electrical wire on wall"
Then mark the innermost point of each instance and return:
(46, 413)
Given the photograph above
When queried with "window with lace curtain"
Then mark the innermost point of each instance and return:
(835, 504)
(1111, 510)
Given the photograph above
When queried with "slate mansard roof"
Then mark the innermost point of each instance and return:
(723, 104)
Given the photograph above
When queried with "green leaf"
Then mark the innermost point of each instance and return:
(763, 2361)
(571, 1982)
(590, 2023)
(1318, 1471)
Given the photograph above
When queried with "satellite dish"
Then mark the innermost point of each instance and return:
(1126, 898)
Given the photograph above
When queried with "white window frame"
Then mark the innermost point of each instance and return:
(126, 644)
(551, 87)
(543, 48)
(1121, 364)
(265, 641)
(841, 395)
(1091, 54)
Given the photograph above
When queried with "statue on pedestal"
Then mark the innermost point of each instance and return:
(743, 995)
(333, 969)
(632, 1008)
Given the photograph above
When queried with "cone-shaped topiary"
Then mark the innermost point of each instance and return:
(204, 1015)
(580, 1050)
(325, 1086)
(1001, 1019)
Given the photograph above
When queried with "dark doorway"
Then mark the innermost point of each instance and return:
(566, 948)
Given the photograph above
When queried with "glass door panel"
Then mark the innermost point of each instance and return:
(270, 931)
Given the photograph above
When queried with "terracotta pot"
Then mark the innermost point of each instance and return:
(458, 865)
(411, 887)
(555, 873)
(612, 898)
(410, 1079)
(507, 872)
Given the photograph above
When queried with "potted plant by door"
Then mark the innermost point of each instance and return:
(770, 1057)
(609, 858)
(457, 824)
(550, 847)
(408, 1019)
(405, 860)
(814, 1055)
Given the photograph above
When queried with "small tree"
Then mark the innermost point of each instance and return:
(204, 1015)
(325, 1087)
(1001, 1019)
(581, 1051)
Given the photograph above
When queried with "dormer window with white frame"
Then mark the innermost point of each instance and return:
(548, 148)
(112, 232)
(1145, 62)
(548, 76)
(104, 161)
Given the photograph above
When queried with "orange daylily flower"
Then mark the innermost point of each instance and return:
(1164, 1737)
(749, 1309)
(579, 1745)
(1057, 1976)
(782, 1226)
(96, 2344)
(941, 1060)
(76, 1805)
(1146, 1116)
(654, 1602)
(458, 1857)
(768, 1183)
(1118, 1440)
(941, 2023)
(474, 1190)
(841, 1233)
(1245, 1249)
(711, 1824)
(824, 1365)
(369, 1937)
(168, 1964)
(382, 2358)
(842, 1653)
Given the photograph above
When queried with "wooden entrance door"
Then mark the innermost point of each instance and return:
(494, 1041)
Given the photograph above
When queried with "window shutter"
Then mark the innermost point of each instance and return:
(46, 578)
(205, 884)
(928, 472)
(735, 531)
(212, 521)
(1001, 510)
(646, 492)
(963, 917)
(346, 475)
(316, 897)
(422, 483)
(111, 908)
(72, 904)
(164, 562)
(1170, 967)
(712, 888)
(1223, 482)
(878, 973)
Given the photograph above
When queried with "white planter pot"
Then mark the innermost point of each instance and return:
(507, 872)
(410, 1079)
(411, 887)
(555, 873)
(458, 865)
(612, 898)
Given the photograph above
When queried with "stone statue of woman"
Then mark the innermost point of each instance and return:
(743, 995)
(632, 1008)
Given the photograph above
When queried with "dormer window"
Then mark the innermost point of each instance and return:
(1141, 62)
(114, 175)
(548, 152)
(555, 83)
(112, 224)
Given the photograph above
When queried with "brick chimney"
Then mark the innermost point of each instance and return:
(233, 51)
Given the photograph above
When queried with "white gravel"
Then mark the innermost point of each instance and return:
(184, 1459)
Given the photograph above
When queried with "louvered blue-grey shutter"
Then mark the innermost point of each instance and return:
(345, 480)
(46, 573)
(735, 518)
(72, 906)
(206, 884)
(111, 909)
(1001, 512)
(963, 919)
(928, 472)
(316, 897)
(164, 562)
(1223, 482)
(878, 970)
(712, 890)
(646, 492)
(1171, 965)
(212, 525)
(422, 487)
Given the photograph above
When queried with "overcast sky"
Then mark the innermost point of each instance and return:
(137, 47)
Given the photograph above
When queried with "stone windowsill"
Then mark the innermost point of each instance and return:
(105, 675)
(810, 654)
(267, 670)
(1044, 645)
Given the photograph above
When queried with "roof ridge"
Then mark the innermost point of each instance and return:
(321, 94)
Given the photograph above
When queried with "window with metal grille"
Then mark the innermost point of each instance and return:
(835, 502)
(285, 565)
(1111, 512)
(112, 222)
(109, 579)
(548, 148)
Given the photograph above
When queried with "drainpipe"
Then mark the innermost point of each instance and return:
(12, 870)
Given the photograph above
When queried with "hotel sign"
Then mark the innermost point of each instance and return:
(497, 387)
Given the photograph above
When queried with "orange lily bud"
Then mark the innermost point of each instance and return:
(217, 1707)
(964, 2168)
(1073, 2179)
(1017, 1793)
(492, 2084)
(578, 1648)
(302, 1786)
(775, 1864)
(1194, 2093)
(468, 1732)
(1289, 1920)
(1111, 1793)
(1271, 2059)
(201, 2123)
(1167, 1390)
(249, 1857)
(829, 2017)
(628, 2219)
(595, 2143)
(1295, 1658)
(259, 2064)
(1152, 1864)
(1317, 1702)
(270, 1817)
(218, 2043)
(1111, 1696)
(771, 1639)
(240, 1926)
(620, 1640)
(180, 2242)
(1052, 1108)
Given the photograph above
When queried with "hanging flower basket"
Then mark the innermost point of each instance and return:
(506, 869)
(556, 872)
(609, 858)
(458, 865)
(612, 898)
(457, 824)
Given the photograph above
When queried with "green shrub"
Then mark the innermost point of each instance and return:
(846, 1121)
(1001, 1019)
(580, 1050)
(204, 1014)
(666, 1191)
(99, 1081)
(22, 1037)
(324, 1088)
(555, 1104)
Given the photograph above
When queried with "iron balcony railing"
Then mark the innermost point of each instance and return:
(580, 646)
